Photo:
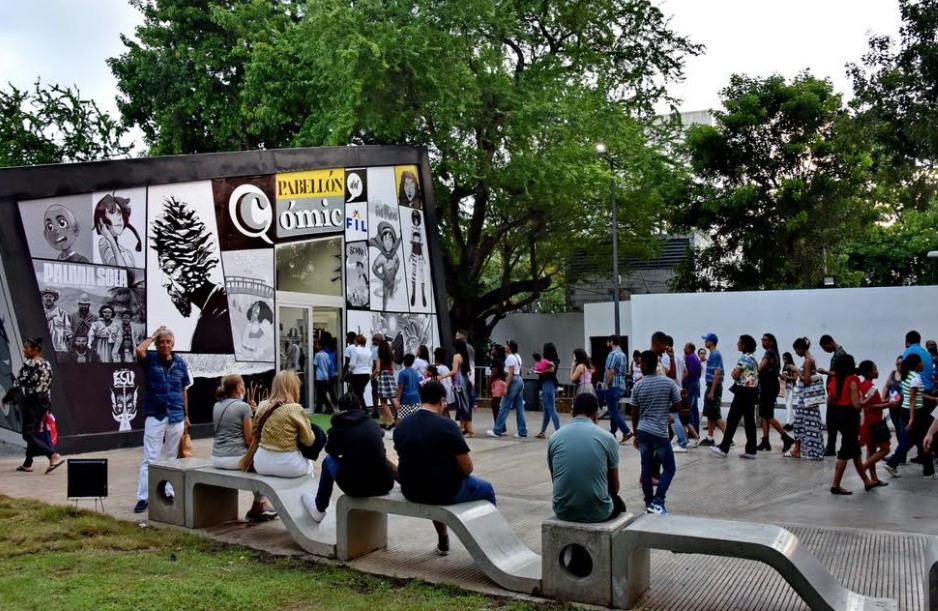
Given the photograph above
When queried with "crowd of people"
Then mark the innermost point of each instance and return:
(664, 390)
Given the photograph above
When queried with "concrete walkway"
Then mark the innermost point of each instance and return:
(871, 541)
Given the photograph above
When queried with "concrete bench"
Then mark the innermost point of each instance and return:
(163, 508)
(212, 498)
(931, 574)
(772, 545)
(577, 559)
(362, 527)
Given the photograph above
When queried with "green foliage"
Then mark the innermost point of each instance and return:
(896, 91)
(53, 124)
(782, 188)
(81, 560)
(508, 97)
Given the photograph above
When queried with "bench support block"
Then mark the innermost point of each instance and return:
(212, 505)
(360, 532)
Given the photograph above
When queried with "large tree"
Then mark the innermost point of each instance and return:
(782, 187)
(53, 124)
(896, 88)
(509, 97)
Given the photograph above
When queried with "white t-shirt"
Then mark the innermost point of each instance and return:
(447, 383)
(679, 367)
(359, 360)
(513, 360)
(421, 366)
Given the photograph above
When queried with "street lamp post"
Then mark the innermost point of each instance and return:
(603, 152)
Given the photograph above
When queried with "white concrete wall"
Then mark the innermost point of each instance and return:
(869, 323)
(599, 321)
(532, 331)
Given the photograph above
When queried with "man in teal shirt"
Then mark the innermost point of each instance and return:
(584, 464)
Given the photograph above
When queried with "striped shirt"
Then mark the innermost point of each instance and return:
(913, 380)
(616, 362)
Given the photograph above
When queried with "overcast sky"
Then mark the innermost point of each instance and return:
(68, 41)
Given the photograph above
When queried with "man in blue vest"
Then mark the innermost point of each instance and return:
(165, 406)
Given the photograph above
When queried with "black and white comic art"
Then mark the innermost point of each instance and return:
(183, 259)
(59, 228)
(385, 253)
(409, 192)
(356, 275)
(416, 261)
(249, 280)
(404, 331)
(10, 358)
(119, 222)
(95, 314)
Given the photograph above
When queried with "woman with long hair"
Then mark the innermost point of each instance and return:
(462, 385)
(745, 396)
(581, 373)
(232, 418)
(874, 434)
(769, 386)
(809, 396)
(789, 375)
(843, 391)
(497, 386)
(279, 432)
(32, 385)
(383, 377)
(111, 218)
(914, 420)
(513, 399)
(549, 389)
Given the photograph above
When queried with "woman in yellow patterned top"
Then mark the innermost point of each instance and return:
(288, 423)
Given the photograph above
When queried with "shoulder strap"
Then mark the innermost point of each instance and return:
(224, 411)
(260, 424)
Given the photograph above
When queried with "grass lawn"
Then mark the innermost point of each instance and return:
(323, 420)
(53, 557)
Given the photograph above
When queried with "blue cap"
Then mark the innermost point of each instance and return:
(711, 337)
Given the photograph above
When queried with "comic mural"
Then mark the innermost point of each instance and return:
(212, 260)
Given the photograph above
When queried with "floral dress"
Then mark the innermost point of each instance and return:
(807, 424)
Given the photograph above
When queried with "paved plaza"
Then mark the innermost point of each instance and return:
(871, 541)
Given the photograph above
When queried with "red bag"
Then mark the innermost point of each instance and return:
(49, 425)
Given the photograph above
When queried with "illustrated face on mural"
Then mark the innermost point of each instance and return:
(106, 313)
(116, 222)
(174, 281)
(84, 306)
(60, 227)
(80, 344)
(387, 238)
(410, 185)
(255, 312)
(48, 300)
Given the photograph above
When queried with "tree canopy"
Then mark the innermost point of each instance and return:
(782, 187)
(509, 97)
(53, 124)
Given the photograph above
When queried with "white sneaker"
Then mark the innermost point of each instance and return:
(718, 452)
(695, 442)
(492, 433)
(678, 450)
(309, 501)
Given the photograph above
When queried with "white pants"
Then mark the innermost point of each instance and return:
(282, 464)
(233, 463)
(160, 442)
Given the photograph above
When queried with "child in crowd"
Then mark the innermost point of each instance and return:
(408, 387)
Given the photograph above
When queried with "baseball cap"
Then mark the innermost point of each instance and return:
(710, 337)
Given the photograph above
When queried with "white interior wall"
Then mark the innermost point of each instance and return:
(870, 323)
(532, 331)
(598, 321)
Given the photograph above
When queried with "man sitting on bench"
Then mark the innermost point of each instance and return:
(433, 460)
(584, 464)
(356, 459)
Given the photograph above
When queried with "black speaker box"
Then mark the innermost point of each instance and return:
(87, 477)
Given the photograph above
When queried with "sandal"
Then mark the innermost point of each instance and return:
(840, 491)
(541, 436)
(790, 455)
(54, 466)
(264, 515)
(25, 469)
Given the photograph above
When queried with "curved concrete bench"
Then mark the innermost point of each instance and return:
(772, 545)
(931, 574)
(209, 493)
(362, 527)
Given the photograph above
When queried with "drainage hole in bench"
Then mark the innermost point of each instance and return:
(576, 560)
(165, 492)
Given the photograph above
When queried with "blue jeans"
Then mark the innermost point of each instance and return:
(613, 394)
(513, 400)
(650, 448)
(549, 397)
(678, 428)
(693, 396)
(475, 489)
(330, 466)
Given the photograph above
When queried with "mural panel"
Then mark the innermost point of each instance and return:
(59, 228)
(184, 261)
(119, 221)
(249, 282)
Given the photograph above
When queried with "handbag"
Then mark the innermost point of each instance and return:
(319, 442)
(247, 461)
(879, 431)
(814, 395)
(185, 446)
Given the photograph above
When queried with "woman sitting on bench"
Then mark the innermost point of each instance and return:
(281, 422)
(232, 419)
